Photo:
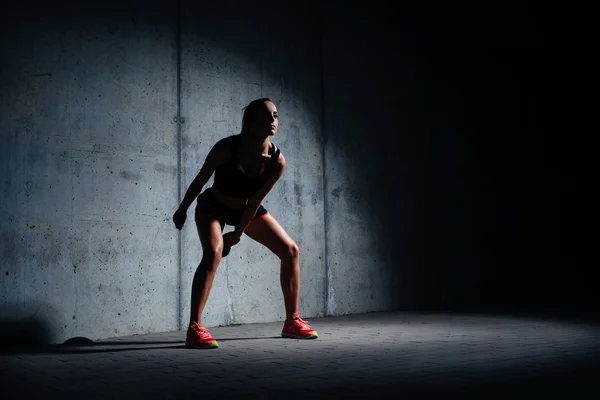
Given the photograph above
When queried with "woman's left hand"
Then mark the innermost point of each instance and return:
(231, 238)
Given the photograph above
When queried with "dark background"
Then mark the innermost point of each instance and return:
(500, 209)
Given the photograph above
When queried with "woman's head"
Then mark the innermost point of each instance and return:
(260, 117)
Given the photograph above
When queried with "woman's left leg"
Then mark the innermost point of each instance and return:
(267, 231)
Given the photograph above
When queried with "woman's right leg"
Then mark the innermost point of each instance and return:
(210, 231)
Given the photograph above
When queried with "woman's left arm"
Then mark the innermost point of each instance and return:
(255, 201)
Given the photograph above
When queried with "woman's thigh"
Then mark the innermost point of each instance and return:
(210, 231)
(268, 232)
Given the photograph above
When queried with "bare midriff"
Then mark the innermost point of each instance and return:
(226, 200)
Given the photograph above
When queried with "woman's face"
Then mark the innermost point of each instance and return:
(267, 119)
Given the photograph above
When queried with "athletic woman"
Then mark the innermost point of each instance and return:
(246, 167)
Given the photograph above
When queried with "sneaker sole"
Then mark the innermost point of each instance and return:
(201, 346)
(292, 336)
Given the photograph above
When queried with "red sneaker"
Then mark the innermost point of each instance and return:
(298, 329)
(199, 338)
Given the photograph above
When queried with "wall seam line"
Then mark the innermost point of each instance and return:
(179, 175)
(323, 152)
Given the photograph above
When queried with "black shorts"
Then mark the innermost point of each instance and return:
(206, 204)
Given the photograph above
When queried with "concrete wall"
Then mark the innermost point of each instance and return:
(378, 166)
(89, 156)
(88, 160)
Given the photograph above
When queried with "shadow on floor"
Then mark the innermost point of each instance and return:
(88, 347)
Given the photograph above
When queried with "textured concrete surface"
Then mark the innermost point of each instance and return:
(390, 355)
(89, 155)
(378, 167)
(88, 160)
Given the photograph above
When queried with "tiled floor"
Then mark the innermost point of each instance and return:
(392, 354)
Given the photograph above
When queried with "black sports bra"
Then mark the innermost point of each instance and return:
(231, 181)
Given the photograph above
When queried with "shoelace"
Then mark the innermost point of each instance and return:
(201, 331)
(302, 324)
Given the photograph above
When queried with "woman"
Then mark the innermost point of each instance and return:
(246, 168)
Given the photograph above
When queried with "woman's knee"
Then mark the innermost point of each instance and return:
(292, 252)
(210, 231)
(211, 257)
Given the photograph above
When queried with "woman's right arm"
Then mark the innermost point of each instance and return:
(216, 156)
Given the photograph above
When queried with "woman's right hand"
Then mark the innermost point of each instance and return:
(179, 218)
